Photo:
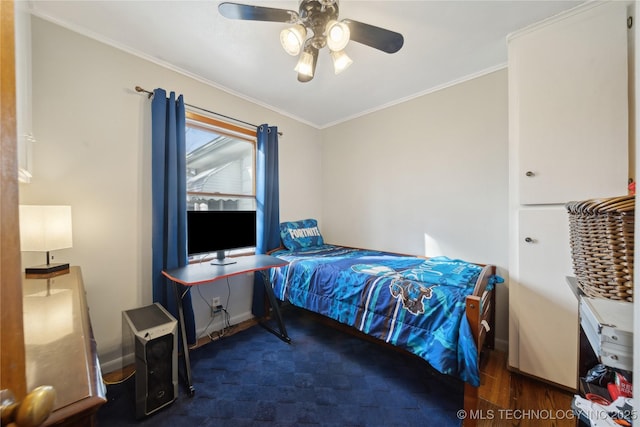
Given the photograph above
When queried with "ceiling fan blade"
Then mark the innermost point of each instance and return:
(378, 38)
(303, 77)
(256, 13)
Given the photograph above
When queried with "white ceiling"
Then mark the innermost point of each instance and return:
(445, 42)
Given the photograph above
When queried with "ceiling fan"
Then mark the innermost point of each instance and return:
(315, 26)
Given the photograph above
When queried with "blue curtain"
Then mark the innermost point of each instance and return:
(268, 208)
(169, 202)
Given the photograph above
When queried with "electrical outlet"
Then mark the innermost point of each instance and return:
(216, 306)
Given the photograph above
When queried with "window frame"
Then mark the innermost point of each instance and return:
(221, 127)
(225, 128)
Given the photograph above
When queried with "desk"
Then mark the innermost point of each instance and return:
(60, 348)
(204, 272)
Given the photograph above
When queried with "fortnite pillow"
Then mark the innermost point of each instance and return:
(300, 234)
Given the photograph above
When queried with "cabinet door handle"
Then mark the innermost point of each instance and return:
(529, 173)
(528, 240)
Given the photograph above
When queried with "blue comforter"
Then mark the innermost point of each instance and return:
(414, 303)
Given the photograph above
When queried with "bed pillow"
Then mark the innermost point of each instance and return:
(301, 234)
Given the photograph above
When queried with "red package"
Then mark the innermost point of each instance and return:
(621, 387)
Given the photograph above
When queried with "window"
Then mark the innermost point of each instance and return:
(221, 163)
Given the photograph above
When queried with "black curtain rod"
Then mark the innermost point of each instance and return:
(150, 94)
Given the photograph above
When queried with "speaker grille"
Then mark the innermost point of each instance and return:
(158, 353)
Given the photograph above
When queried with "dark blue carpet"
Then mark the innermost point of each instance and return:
(324, 378)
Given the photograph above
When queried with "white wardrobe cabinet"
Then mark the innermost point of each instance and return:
(546, 308)
(568, 140)
(570, 106)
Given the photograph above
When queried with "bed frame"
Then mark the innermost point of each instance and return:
(480, 312)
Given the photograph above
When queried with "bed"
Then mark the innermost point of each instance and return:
(439, 309)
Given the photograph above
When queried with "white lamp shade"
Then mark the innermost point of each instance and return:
(292, 39)
(45, 228)
(338, 35)
(340, 61)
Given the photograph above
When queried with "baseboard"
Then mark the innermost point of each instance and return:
(238, 323)
(501, 345)
(111, 365)
(542, 380)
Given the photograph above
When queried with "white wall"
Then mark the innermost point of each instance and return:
(426, 177)
(93, 153)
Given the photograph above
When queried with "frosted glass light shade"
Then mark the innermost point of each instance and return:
(338, 35)
(305, 64)
(292, 39)
(340, 61)
(45, 228)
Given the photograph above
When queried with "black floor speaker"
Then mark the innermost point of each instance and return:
(151, 334)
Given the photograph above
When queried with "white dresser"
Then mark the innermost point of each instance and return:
(568, 140)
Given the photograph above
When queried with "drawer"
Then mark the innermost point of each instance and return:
(617, 356)
(608, 325)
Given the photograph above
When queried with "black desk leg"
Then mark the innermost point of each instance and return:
(276, 309)
(185, 345)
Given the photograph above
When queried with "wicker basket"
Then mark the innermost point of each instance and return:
(601, 238)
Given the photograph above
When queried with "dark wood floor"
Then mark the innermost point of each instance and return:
(511, 399)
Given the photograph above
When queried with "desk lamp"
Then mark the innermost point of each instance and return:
(45, 229)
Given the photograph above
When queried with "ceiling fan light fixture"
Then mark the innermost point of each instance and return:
(292, 39)
(340, 61)
(338, 35)
(305, 64)
(313, 27)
